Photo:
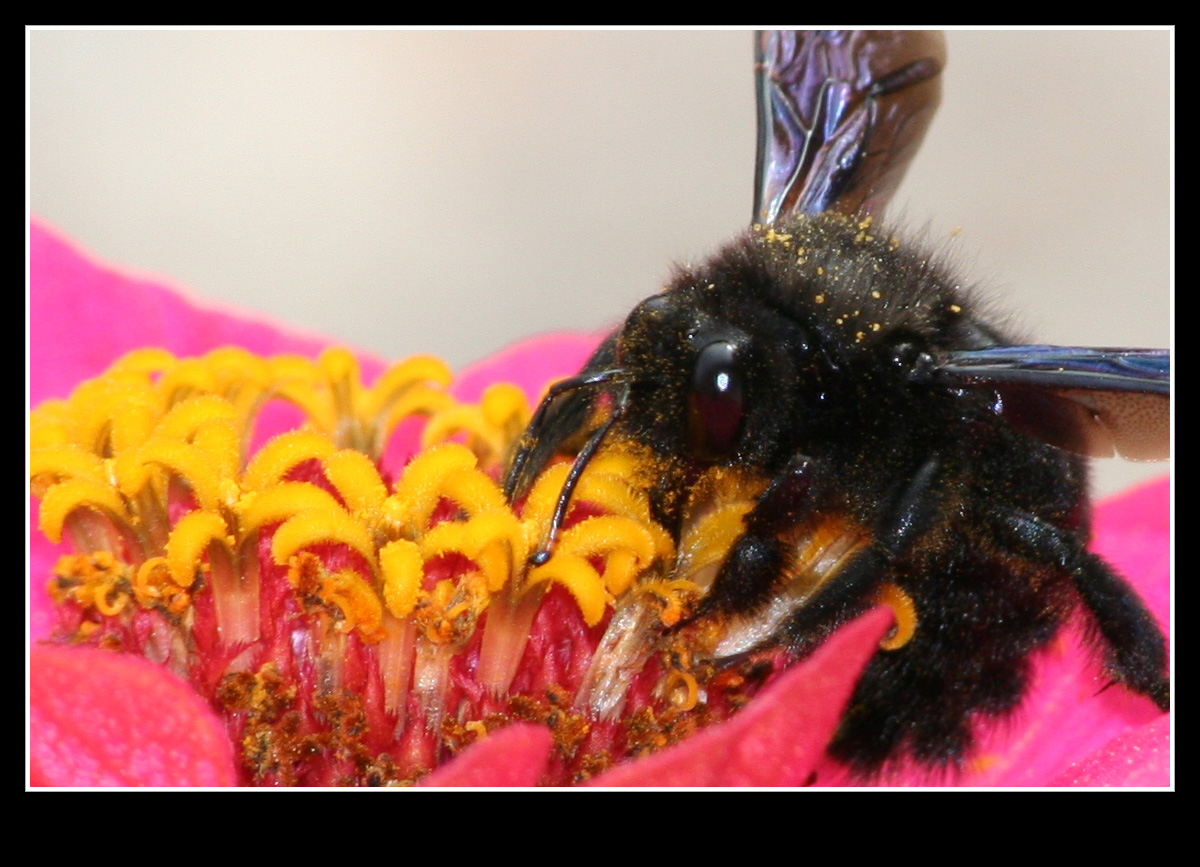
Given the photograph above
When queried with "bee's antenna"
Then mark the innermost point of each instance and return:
(582, 459)
(517, 477)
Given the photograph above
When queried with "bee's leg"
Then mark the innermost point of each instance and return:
(760, 554)
(1134, 649)
(752, 571)
(1136, 652)
(909, 515)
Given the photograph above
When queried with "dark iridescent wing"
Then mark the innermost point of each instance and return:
(1144, 370)
(1096, 402)
(840, 115)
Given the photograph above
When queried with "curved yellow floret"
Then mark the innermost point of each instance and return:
(151, 472)
(190, 539)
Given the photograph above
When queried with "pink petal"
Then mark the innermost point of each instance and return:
(84, 315)
(1133, 532)
(779, 739)
(1141, 757)
(104, 719)
(530, 364)
(514, 756)
(1070, 713)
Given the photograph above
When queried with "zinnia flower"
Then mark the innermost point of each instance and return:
(99, 718)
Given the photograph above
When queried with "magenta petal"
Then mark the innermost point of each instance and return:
(529, 364)
(1071, 712)
(103, 719)
(514, 756)
(1132, 531)
(1137, 758)
(83, 315)
(778, 739)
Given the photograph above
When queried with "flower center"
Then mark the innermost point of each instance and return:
(354, 624)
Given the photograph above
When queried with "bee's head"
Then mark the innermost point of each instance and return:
(705, 362)
(782, 338)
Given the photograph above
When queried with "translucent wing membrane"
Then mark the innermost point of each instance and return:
(840, 116)
(1097, 402)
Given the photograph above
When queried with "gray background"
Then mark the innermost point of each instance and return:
(451, 192)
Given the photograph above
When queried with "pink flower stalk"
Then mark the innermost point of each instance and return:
(98, 718)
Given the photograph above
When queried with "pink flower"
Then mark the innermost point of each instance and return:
(93, 717)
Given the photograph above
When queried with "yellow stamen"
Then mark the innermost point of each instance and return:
(53, 464)
(190, 539)
(316, 528)
(629, 546)
(577, 576)
(356, 480)
(402, 378)
(682, 689)
(403, 572)
(97, 581)
(494, 540)
(184, 419)
(62, 499)
(188, 377)
(153, 586)
(142, 363)
(422, 486)
(357, 602)
(490, 427)
(108, 415)
(281, 455)
(188, 464)
(256, 509)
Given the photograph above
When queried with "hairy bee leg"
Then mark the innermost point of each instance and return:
(760, 554)
(1135, 652)
(749, 577)
(909, 515)
(912, 511)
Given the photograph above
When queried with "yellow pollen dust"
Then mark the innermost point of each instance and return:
(151, 472)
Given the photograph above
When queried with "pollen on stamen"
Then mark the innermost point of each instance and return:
(354, 622)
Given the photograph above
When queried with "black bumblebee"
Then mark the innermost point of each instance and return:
(883, 440)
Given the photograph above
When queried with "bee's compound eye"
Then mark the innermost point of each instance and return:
(717, 402)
